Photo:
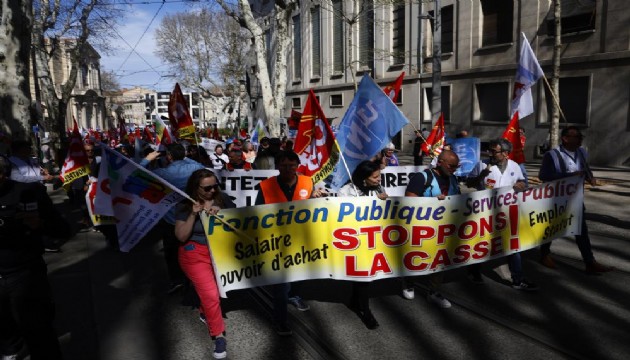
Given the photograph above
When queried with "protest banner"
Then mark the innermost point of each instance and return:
(241, 185)
(210, 144)
(366, 239)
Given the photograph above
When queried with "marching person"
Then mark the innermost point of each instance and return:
(25, 169)
(389, 155)
(26, 304)
(418, 156)
(194, 255)
(495, 172)
(439, 182)
(366, 181)
(237, 161)
(566, 160)
(219, 158)
(177, 173)
(286, 186)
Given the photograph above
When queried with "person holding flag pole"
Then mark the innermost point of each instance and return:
(194, 254)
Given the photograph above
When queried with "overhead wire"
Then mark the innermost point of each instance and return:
(141, 36)
(133, 50)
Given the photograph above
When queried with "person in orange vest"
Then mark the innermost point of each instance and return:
(287, 186)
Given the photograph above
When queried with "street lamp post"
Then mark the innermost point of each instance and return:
(436, 86)
(436, 101)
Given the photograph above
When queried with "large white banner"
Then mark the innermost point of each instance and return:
(241, 185)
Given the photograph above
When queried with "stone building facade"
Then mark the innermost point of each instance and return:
(480, 47)
(87, 103)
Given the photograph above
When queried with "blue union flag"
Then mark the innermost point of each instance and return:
(370, 123)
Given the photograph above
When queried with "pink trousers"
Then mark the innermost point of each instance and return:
(195, 261)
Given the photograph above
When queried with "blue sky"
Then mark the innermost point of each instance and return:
(145, 69)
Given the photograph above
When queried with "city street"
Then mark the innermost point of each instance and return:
(113, 306)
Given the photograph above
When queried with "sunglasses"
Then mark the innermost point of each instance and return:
(452, 166)
(210, 187)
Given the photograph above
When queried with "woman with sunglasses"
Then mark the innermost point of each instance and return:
(366, 181)
(194, 254)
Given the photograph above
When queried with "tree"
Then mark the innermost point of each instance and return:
(207, 51)
(15, 24)
(272, 79)
(53, 22)
(109, 81)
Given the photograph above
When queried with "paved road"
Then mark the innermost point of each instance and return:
(114, 306)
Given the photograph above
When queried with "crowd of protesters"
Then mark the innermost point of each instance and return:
(190, 168)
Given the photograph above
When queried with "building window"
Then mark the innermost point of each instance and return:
(366, 34)
(577, 16)
(497, 22)
(492, 100)
(296, 103)
(574, 99)
(336, 100)
(338, 38)
(84, 76)
(297, 48)
(399, 99)
(428, 106)
(446, 17)
(398, 33)
(316, 47)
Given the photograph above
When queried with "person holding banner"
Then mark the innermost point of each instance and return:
(495, 172)
(439, 182)
(569, 159)
(366, 181)
(194, 253)
(286, 186)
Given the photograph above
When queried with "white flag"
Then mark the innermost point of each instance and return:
(527, 73)
(132, 194)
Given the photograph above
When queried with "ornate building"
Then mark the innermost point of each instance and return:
(87, 103)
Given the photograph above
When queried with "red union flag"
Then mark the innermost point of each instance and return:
(76, 164)
(179, 116)
(513, 134)
(435, 142)
(392, 90)
(315, 142)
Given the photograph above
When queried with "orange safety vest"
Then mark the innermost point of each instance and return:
(273, 193)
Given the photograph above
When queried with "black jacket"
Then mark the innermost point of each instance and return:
(21, 241)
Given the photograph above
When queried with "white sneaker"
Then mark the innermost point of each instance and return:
(439, 300)
(408, 294)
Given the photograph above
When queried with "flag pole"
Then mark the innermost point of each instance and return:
(555, 99)
(345, 165)
(236, 231)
